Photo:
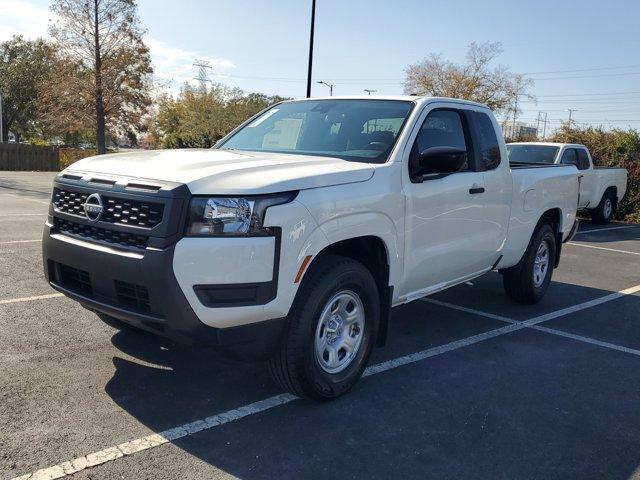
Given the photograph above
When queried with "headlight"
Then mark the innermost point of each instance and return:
(232, 216)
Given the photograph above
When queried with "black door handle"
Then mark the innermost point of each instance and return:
(475, 190)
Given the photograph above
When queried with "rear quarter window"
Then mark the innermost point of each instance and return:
(583, 159)
(487, 142)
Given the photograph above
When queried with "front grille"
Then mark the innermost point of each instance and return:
(103, 235)
(132, 296)
(116, 210)
(75, 279)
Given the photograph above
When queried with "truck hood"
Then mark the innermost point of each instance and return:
(209, 172)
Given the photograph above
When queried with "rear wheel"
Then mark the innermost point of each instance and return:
(331, 332)
(603, 213)
(528, 281)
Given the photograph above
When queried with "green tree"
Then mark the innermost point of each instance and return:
(199, 117)
(24, 67)
(111, 63)
(475, 80)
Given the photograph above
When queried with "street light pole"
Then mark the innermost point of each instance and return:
(313, 21)
(328, 85)
(370, 91)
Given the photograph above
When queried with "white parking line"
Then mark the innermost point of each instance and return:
(30, 299)
(552, 331)
(602, 248)
(593, 341)
(12, 242)
(581, 306)
(24, 198)
(157, 439)
(468, 310)
(5, 215)
(608, 229)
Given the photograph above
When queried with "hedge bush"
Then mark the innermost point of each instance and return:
(612, 148)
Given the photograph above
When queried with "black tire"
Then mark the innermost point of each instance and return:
(603, 213)
(295, 367)
(519, 281)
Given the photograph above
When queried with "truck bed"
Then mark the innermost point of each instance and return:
(537, 189)
(519, 165)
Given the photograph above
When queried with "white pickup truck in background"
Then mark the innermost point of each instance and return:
(601, 188)
(294, 236)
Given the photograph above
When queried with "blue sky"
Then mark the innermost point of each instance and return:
(588, 47)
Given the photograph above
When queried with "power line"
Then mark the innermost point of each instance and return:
(582, 70)
(588, 76)
(588, 94)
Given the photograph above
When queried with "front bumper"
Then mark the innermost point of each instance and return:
(142, 290)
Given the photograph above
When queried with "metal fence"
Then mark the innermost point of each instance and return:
(18, 156)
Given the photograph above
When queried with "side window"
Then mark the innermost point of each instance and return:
(488, 146)
(569, 157)
(441, 128)
(583, 159)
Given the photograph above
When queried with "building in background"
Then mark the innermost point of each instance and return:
(519, 130)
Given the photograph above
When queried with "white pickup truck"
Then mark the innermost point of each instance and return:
(601, 188)
(294, 236)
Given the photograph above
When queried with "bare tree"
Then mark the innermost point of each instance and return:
(103, 39)
(475, 80)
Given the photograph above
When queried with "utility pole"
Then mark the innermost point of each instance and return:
(571, 110)
(1, 120)
(313, 21)
(544, 128)
(328, 85)
(538, 125)
(203, 76)
(370, 91)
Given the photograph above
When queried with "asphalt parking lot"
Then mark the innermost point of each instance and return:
(469, 385)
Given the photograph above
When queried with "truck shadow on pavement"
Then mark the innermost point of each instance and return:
(471, 412)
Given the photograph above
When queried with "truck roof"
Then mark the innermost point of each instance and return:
(548, 144)
(410, 98)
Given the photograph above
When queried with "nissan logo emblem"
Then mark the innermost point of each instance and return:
(93, 207)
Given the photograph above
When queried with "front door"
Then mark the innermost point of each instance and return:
(446, 226)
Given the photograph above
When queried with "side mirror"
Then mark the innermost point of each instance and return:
(436, 160)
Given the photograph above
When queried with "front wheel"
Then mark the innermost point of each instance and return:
(528, 281)
(331, 332)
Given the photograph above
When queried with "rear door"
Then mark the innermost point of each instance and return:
(588, 179)
(447, 229)
(493, 161)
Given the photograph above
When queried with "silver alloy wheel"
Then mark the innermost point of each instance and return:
(541, 264)
(339, 332)
(608, 208)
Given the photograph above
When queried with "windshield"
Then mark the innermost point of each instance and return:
(356, 130)
(532, 153)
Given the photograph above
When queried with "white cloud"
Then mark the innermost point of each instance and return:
(20, 17)
(173, 66)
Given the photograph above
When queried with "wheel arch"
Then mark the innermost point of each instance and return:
(372, 252)
(612, 189)
(553, 218)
